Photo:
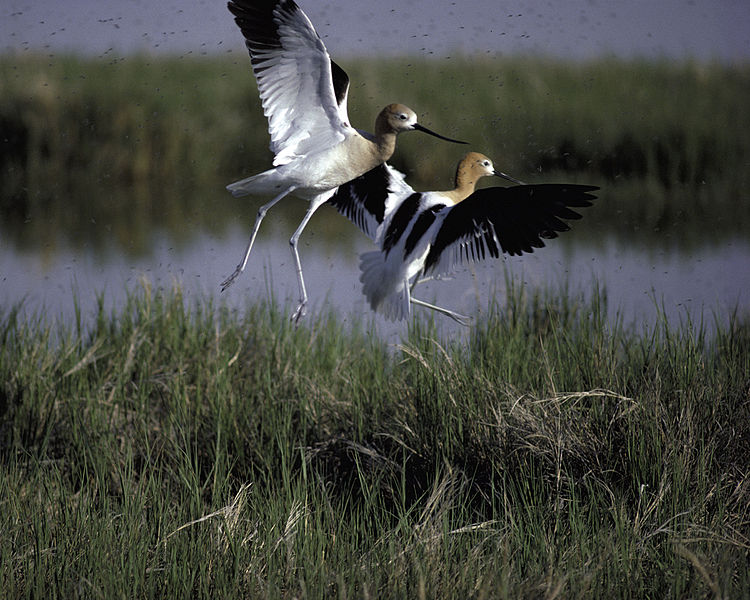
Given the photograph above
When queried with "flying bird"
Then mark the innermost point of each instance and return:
(304, 96)
(425, 235)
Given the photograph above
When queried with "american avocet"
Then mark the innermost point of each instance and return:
(304, 93)
(423, 235)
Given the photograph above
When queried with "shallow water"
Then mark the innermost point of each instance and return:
(708, 281)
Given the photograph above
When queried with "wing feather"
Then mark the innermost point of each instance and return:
(303, 92)
(508, 220)
(367, 200)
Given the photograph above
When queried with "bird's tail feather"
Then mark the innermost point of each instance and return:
(393, 301)
(256, 184)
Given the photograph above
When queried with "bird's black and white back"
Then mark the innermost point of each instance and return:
(427, 234)
(367, 200)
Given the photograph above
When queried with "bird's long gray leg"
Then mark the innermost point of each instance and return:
(261, 213)
(315, 204)
(459, 318)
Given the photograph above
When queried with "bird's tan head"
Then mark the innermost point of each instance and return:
(479, 164)
(396, 118)
(472, 167)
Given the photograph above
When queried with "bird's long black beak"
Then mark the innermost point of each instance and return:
(508, 177)
(419, 127)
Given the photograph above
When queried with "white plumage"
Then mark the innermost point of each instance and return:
(428, 234)
(304, 97)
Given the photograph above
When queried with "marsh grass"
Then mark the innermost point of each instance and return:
(145, 143)
(185, 450)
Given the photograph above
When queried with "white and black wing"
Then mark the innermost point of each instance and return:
(512, 220)
(367, 200)
(302, 90)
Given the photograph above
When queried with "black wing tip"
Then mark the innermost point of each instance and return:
(340, 82)
(583, 197)
(258, 24)
(241, 8)
(572, 194)
(260, 5)
(530, 227)
(256, 18)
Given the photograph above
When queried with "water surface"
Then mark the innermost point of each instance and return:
(707, 281)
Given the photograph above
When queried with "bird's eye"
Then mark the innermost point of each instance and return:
(486, 163)
(402, 116)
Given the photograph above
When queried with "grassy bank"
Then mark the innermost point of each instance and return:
(139, 143)
(173, 451)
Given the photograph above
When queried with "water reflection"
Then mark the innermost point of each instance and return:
(114, 169)
(711, 279)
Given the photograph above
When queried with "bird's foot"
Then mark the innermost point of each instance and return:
(230, 280)
(459, 318)
(299, 313)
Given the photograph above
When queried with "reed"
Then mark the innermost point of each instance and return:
(143, 143)
(174, 448)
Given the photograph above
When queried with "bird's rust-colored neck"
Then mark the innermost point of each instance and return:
(465, 181)
(385, 137)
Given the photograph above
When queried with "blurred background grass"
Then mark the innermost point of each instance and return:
(146, 144)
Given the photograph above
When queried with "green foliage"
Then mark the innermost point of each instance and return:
(184, 450)
(139, 143)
